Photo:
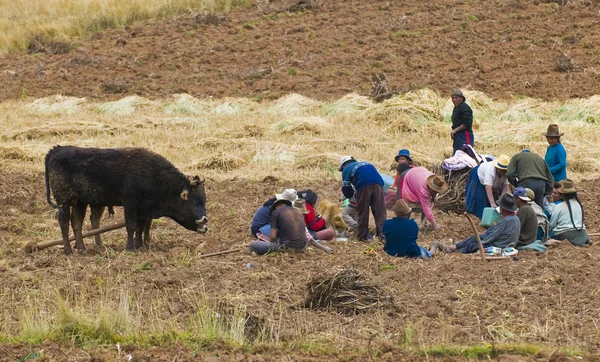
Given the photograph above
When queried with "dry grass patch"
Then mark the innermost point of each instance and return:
(49, 25)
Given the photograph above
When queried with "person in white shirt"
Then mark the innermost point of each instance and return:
(487, 182)
(567, 220)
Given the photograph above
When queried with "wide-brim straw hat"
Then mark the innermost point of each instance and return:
(502, 162)
(553, 131)
(437, 183)
(300, 204)
(507, 202)
(401, 208)
(568, 187)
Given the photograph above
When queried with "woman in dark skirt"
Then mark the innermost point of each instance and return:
(487, 182)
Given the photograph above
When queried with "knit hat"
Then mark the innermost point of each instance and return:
(457, 93)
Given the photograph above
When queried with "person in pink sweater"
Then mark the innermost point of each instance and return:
(420, 186)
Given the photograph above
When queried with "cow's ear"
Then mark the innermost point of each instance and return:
(184, 194)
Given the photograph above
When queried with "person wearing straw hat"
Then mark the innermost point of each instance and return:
(529, 170)
(401, 234)
(287, 230)
(556, 155)
(363, 179)
(501, 235)
(462, 121)
(420, 187)
(553, 199)
(567, 220)
(486, 183)
(527, 218)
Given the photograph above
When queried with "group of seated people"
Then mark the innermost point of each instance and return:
(288, 221)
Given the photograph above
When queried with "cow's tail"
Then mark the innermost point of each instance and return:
(55, 206)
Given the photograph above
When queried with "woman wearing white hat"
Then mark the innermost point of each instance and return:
(487, 182)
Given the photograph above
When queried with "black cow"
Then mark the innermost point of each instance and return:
(143, 182)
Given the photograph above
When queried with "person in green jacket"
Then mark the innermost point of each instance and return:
(529, 170)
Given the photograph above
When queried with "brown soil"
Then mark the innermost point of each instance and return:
(452, 299)
(538, 48)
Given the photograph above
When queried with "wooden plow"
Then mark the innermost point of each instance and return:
(31, 247)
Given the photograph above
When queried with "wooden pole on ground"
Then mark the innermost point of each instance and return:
(35, 246)
(220, 253)
(481, 251)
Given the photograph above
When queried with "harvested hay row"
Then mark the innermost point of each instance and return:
(452, 200)
(320, 160)
(348, 292)
(221, 161)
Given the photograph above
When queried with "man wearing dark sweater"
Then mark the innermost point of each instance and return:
(363, 179)
(501, 235)
(401, 234)
(527, 218)
(462, 121)
(529, 170)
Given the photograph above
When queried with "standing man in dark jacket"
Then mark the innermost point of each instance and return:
(462, 121)
(363, 179)
(529, 170)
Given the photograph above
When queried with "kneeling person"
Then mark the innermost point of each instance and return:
(502, 235)
(401, 234)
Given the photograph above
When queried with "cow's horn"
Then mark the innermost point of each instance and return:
(184, 194)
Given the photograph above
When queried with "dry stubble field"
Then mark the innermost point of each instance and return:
(167, 301)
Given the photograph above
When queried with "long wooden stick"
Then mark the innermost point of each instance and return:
(476, 237)
(34, 246)
(482, 252)
(219, 253)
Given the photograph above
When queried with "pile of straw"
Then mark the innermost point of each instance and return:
(347, 292)
(453, 200)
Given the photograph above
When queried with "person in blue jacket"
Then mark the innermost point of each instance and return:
(556, 155)
(363, 179)
(401, 234)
